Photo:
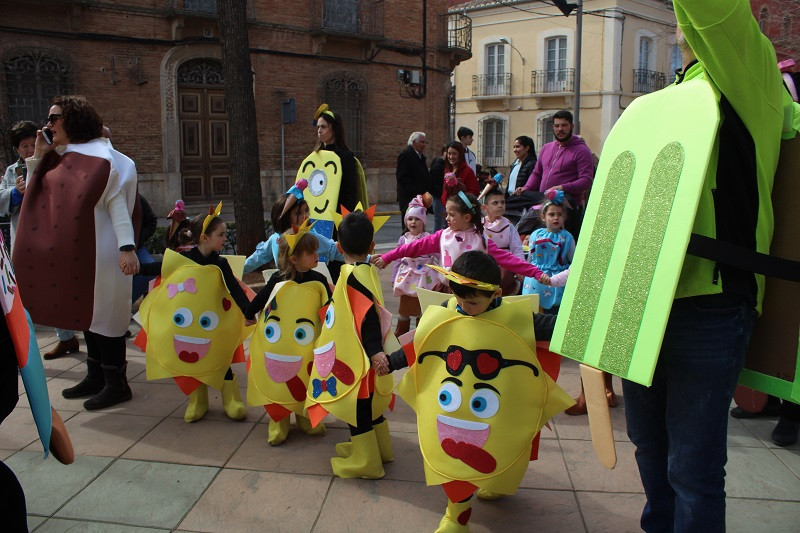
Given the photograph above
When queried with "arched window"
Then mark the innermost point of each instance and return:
(763, 20)
(201, 72)
(346, 94)
(32, 78)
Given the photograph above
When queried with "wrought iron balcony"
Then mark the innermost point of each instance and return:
(362, 19)
(456, 33)
(647, 81)
(491, 85)
(553, 81)
(200, 8)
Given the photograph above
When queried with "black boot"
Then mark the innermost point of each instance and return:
(91, 384)
(116, 389)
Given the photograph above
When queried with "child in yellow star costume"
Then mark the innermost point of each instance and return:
(281, 349)
(355, 331)
(193, 324)
(480, 393)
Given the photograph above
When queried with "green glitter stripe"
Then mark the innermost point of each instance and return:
(637, 277)
(598, 256)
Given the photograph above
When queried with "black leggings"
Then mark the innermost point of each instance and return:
(110, 351)
(364, 417)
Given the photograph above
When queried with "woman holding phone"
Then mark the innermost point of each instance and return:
(76, 233)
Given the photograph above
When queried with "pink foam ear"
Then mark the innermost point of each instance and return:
(226, 304)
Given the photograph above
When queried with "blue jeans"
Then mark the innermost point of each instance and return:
(139, 284)
(438, 214)
(64, 334)
(679, 425)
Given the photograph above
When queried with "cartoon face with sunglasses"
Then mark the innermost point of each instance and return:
(481, 400)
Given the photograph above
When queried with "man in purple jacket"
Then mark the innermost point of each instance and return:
(565, 164)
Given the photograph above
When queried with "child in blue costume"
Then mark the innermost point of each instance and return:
(552, 248)
(283, 219)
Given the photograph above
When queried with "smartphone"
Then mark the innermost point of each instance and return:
(48, 135)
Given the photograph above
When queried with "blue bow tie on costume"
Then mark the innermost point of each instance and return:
(320, 386)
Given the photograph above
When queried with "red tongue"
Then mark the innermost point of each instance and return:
(471, 455)
(189, 357)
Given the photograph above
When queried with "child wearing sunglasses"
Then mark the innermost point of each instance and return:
(480, 409)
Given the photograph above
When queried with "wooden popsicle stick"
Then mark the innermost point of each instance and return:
(599, 416)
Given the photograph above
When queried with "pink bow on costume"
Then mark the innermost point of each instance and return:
(187, 286)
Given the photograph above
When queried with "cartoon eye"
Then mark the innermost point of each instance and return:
(303, 334)
(449, 397)
(208, 320)
(484, 403)
(182, 317)
(272, 331)
(329, 317)
(317, 182)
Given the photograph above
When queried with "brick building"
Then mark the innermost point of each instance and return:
(152, 69)
(780, 21)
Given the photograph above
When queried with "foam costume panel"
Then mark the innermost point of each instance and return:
(772, 362)
(637, 227)
(323, 171)
(282, 348)
(341, 372)
(480, 395)
(193, 327)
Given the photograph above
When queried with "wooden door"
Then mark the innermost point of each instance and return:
(205, 144)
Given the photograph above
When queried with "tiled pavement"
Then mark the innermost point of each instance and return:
(139, 468)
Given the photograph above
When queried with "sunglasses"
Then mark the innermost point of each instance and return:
(485, 364)
(52, 118)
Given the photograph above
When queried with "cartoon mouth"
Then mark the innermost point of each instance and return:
(324, 357)
(282, 368)
(324, 207)
(463, 440)
(190, 349)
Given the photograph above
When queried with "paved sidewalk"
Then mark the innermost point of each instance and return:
(139, 467)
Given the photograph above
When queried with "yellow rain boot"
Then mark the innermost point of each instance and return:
(278, 431)
(456, 518)
(344, 449)
(486, 495)
(364, 461)
(305, 425)
(232, 400)
(198, 404)
(384, 441)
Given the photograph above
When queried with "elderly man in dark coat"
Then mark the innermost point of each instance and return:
(412, 171)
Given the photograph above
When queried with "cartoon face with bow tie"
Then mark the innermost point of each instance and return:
(193, 326)
(282, 348)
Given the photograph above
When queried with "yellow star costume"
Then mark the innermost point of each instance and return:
(341, 372)
(481, 396)
(193, 330)
(282, 352)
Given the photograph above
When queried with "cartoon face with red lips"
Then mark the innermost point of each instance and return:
(281, 350)
(193, 326)
(479, 404)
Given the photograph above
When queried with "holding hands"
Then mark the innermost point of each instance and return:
(128, 262)
(380, 364)
(378, 261)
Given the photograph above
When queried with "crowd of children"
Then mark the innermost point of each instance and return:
(319, 349)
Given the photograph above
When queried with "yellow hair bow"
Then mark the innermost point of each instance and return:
(211, 216)
(293, 238)
(323, 110)
(464, 280)
(377, 221)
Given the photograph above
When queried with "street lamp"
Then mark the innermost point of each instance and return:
(505, 41)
